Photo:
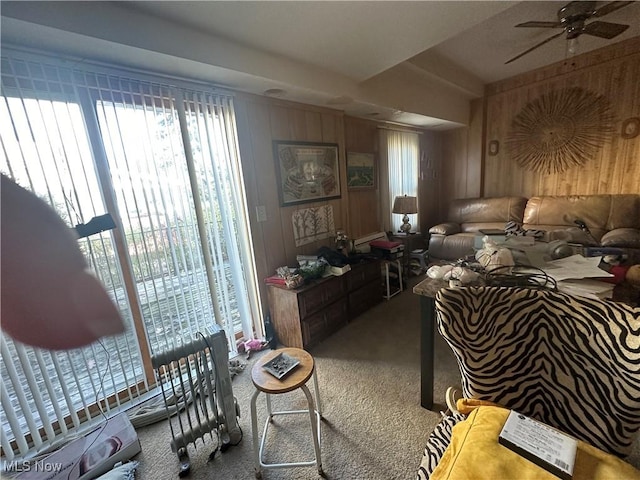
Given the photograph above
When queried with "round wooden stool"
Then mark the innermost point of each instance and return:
(268, 383)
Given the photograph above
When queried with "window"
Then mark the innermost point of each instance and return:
(95, 141)
(402, 155)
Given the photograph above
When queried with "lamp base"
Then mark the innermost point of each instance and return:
(406, 226)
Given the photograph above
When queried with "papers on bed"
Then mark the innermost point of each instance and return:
(577, 275)
(585, 287)
(575, 266)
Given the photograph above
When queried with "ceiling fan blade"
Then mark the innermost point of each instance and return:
(604, 29)
(609, 7)
(535, 24)
(534, 47)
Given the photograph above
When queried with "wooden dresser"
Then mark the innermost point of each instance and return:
(307, 315)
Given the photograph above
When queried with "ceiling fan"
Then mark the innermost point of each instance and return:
(572, 18)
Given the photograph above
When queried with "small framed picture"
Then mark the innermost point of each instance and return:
(630, 127)
(494, 147)
(361, 171)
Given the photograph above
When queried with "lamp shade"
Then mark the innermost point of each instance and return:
(405, 204)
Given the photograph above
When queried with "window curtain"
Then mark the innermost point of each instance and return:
(399, 174)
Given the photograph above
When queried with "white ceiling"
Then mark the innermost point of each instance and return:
(356, 39)
(417, 62)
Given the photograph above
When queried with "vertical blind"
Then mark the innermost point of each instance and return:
(163, 161)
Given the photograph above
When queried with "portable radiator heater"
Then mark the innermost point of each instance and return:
(196, 388)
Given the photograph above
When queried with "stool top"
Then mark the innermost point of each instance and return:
(267, 383)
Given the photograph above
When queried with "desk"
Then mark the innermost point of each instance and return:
(427, 289)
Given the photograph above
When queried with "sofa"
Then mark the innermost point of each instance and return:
(606, 220)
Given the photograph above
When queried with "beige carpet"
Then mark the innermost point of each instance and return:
(375, 428)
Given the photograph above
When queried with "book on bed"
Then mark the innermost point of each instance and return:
(541, 444)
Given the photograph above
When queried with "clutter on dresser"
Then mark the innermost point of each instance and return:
(313, 270)
(324, 263)
(287, 277)
(342, 242)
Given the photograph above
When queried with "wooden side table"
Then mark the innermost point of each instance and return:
(269, 384)
(411, 242)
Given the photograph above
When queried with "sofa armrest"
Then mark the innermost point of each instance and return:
(621, 237)
(445, 229)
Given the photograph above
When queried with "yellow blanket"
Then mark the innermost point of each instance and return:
(475, 454)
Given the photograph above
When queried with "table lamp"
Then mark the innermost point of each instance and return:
(405, 205)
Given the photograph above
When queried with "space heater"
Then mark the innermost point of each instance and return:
(196, 389)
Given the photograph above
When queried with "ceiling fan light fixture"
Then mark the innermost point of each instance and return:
(572, 18)
(573, 46)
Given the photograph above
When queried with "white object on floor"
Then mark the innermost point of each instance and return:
(388, 293)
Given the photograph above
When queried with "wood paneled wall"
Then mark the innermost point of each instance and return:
(431, 175)
(461, 161)
(261, 120)
(614, 72)
(468, 171)
(364, 204)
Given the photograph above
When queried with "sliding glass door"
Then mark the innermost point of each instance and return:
(162, 160)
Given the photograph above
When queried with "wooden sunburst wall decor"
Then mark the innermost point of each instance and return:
(560, 130)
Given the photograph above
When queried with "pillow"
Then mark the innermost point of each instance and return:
(621, 237)
(445, 229)
(126, 471)
(474, 453)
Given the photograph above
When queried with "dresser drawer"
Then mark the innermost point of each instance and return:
(362, 274)
(313, 328)
(336, 315)
(319, 326)
(305, 316)
(364, 298)
(310, 301)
